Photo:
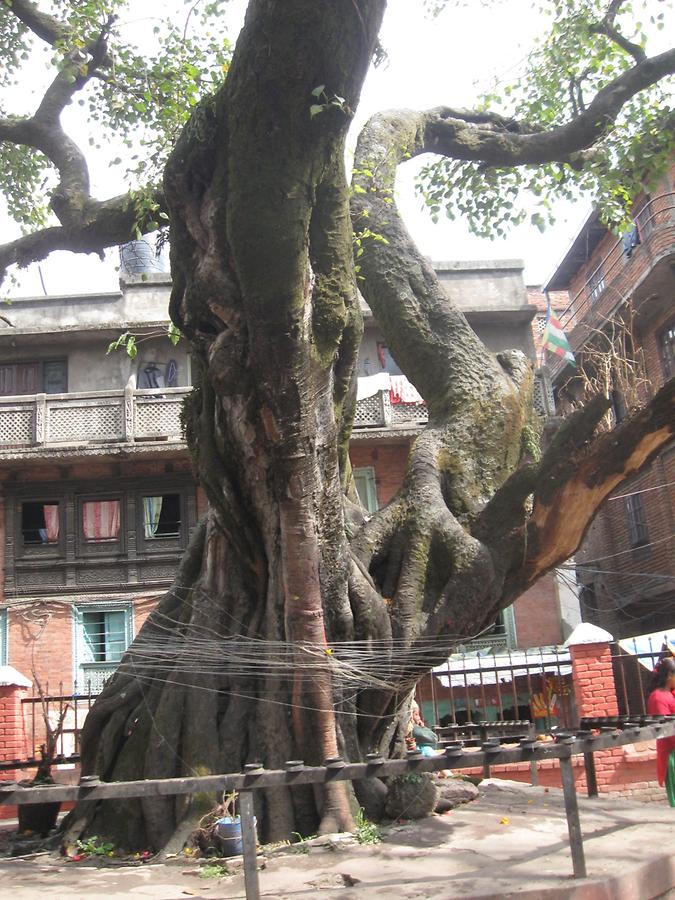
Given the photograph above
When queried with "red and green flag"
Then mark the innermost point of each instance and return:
(554, 339)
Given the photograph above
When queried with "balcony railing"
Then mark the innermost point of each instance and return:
(613, 279)
(98, 417)
(93, 419)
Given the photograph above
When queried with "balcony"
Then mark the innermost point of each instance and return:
(619, 274)
(378, 411)
(54, 422)
(94, 421)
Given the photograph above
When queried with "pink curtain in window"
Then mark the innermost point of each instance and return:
(51, 514)
(101, 520)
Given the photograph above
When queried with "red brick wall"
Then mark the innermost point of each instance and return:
(41, 635)
(389, 462)
(537, 615)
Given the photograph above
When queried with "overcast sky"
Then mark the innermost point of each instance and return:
(448, 60)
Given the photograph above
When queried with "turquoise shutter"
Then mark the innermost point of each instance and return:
(366, 488)
(115, 635)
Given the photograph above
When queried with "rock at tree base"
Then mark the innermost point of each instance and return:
(411, 796)
(454, 792)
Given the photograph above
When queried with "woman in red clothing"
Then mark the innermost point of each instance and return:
(661, 702)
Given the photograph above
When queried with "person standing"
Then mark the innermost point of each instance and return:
(661, 702)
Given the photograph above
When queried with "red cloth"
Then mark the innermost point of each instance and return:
(662, 703)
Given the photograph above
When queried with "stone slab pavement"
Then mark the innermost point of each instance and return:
(509, 844)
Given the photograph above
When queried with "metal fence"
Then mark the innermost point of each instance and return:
(632, 676)
(68, 709)
(528, 685)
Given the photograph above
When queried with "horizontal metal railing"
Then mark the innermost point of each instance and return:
(657, 212)
(255, 777)
(71, 709)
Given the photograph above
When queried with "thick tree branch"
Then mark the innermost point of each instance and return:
(105, 224)
(46, 27)
(72, 193)
(73, 77)
(458, 138)
(576, 474)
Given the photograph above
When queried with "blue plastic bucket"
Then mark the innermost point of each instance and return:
(228, 830)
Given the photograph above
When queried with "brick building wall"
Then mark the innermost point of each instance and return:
(537, 615)
(41, 633)
(627, 560)
(389, 461)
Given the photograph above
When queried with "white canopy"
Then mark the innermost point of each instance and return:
(648, 644)
(477, 668)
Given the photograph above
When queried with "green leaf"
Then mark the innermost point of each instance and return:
(318, 91)
(315, 109)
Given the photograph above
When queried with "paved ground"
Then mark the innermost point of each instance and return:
(510, 843)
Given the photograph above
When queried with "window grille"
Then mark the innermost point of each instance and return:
(636, 517)
(596, 284)
(102, 634)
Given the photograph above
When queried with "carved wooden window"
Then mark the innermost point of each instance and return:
(35, 377)
(161, 516)
(40, 522)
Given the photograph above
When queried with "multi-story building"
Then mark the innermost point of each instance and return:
(620, 321)
(97, 497)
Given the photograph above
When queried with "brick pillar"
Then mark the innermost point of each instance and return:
(593, 679)
(12, 740)
(12, 732)
(595, 694)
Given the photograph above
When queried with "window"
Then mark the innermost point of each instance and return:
(638, 535)
(100, 520)
(619, 408)
(595, 284)
(3, 637)
(40, 522)
(387, 363)
(103, 633)
(161, 516)
(364, 479)
(42, 376)
(153, 374)
(667, 349)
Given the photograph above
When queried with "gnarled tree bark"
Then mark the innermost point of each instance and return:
(296, 626)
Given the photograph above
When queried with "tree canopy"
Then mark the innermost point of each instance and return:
(316, 619)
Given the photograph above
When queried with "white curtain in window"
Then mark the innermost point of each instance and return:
(152, 508)
(101, 520)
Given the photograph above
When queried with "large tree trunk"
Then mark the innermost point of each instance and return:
(296, 628)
